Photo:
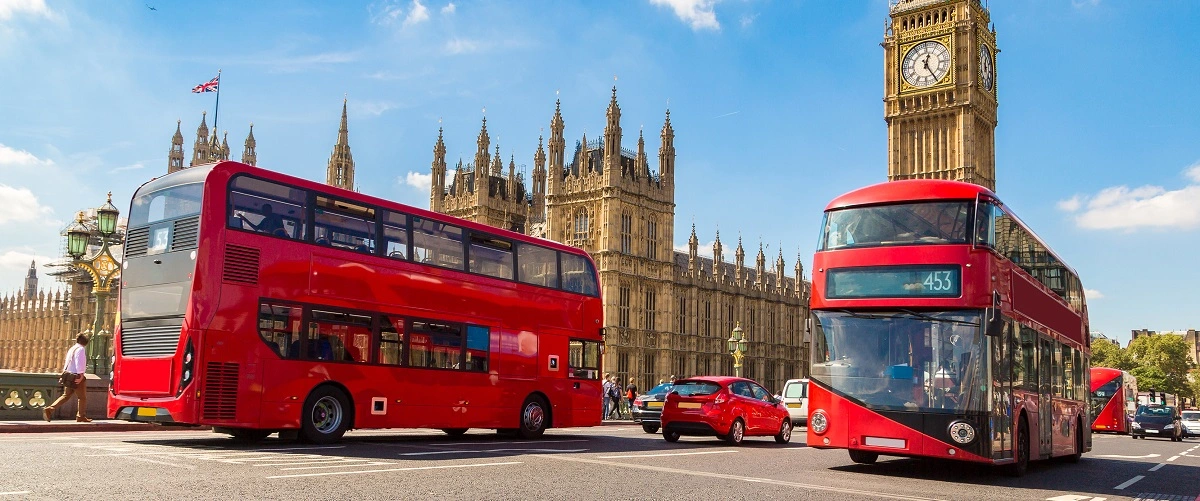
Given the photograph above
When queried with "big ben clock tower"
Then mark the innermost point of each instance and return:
(940, 91)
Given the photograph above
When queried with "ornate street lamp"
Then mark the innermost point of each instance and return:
(738, 346)
(102, 267)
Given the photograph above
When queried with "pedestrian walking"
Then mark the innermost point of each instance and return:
(73, 381)
(607, 392)
(631, 393)
(614, 395)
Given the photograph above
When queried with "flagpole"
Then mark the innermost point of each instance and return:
(217, 108)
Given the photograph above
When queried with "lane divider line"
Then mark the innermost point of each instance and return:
(1157, 466)
(665, 454)
(1129, 482)
(416, 468)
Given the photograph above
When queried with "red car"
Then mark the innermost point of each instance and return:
(730, 408)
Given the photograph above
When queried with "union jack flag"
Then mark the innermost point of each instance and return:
(209, 86)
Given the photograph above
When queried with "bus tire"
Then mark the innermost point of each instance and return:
(454, 432)
(863, 457)
(326, 415)
(247, 435)
(1021, 465)
(1074, 458)
(535, 417)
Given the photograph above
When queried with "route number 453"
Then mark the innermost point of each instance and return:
(939, 281)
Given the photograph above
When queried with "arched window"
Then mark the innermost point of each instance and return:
(651, 238)
(626, 233)
(581, 226)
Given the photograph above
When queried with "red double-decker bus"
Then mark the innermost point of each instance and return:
(1113, 399)
(943, 327)
(256, 302)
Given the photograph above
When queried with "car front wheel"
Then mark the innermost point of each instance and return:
(785, 432)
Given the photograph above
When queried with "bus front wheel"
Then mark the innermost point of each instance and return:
(325, 416)
(534, 418)
(1018, 467)
(246, 435)
(863, 457)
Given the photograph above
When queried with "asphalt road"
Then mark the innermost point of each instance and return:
(609, 462)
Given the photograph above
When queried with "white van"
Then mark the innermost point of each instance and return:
(795, 397)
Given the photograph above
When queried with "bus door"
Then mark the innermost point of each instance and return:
(1045, 397)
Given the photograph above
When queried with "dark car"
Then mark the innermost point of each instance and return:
(648, 407)
(1156, 421)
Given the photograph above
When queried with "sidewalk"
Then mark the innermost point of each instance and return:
(71, 426)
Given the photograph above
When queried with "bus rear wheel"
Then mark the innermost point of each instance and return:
(863, 457)
(325, 416)
(246, 435)
(534, 418)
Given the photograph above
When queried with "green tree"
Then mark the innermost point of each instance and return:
(1111, 355)
(1162, 363)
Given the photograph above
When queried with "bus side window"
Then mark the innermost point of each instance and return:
(279, 327)
(537, 265)
(395, 235)
(578, 275)
(391, 340)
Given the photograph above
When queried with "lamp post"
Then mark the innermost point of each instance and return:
(102, 267)
(738, 346)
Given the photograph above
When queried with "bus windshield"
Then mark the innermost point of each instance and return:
(903, 361)
(1103, 394)
(899, 224)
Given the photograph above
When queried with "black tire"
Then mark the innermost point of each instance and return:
(325, 416)
(249, 435)
(863, 457)
(671, 436)
(454, 432)
(1021, 465)
(785, 433)
(737, 432)
(506, 432)
(1074, 458)
(650, 428)
(535, 417)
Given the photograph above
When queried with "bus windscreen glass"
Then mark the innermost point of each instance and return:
(898, 224)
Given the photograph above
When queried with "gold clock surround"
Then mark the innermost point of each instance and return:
(947, 79)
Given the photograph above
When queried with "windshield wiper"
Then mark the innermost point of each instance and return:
(931, 318)
(868, 316)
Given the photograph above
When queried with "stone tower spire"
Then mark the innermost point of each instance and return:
(437, 195)
(175, 156)
(497, 164)
(482, 158)
(799, 275)
(249, 156)
(340, 171)
(200, 149)
(539, 184)
(739, 256)
(760, 267)
(640, 166)
(512, 177)
(612, 139)
(779, 270)
(557, 146)
(718, 259)
(666, 153)
(225, 146)
(31, 280)
(693, 251)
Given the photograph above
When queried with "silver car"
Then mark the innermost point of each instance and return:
(1191, 423)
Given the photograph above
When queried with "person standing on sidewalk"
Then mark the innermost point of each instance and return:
(74, 382)
(607, 389)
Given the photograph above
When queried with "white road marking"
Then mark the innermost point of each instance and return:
(396, 469)
(1127, 457)
(148, 460)
(1157, 466)
(1172, 458)
(15, 493)
(1129, 482)
(330, 460)
(1074, 497)
(798, 485)
(667, 454)
(490, 451)
(332, 466)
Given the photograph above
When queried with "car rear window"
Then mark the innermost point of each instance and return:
(1191, 416)
(696, 388)
(662, 388)
(794, 390)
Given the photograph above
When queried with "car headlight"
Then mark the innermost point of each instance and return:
(1169, 427)
(819, 422)
(1135, 424)
(962, 432)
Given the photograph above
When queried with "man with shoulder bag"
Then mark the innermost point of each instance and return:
(73, 381)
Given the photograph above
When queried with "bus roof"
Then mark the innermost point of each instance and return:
(909, 191)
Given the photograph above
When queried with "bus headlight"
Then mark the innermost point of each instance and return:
(962, 432)
(818, 422)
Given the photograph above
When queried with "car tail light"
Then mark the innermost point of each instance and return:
(189, 363)
(637, 402)
(720, 398)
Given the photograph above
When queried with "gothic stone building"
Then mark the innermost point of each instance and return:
(666, 312)
(940, 91)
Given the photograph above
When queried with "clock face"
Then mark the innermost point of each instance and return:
(985, 67)
(925, 64)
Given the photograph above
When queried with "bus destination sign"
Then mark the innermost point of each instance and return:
(894, 281)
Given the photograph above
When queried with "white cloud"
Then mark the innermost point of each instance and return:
(133, 166)
(14, 262)
(449, 9)
(696, 13)
(9, 8)
(417, 15)
(1093, 294)
(1125, 208)
(386, 15)
(371, 108)
(748, 19)
(423, 182)
(461, 46)
(20, 205)
(20, 158)
(703, 249)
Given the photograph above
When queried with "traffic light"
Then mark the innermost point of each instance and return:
(1151, 395)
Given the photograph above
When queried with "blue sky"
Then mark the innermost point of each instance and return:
(777, 108)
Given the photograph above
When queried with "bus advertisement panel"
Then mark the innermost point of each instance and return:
(256, 302)
(943, 327)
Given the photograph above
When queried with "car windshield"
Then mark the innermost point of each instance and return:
(795, 390)
(660, 389)
(1191, 416)
(1146, 410)
(696, 388)
(898, 224)
(906, 360)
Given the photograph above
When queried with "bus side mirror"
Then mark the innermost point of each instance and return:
(993, 320)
